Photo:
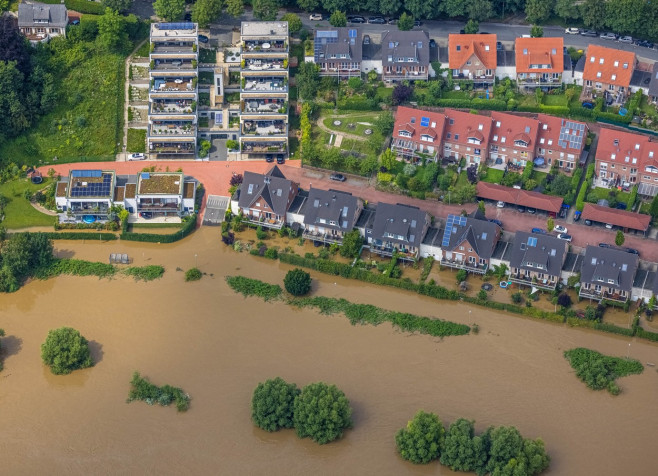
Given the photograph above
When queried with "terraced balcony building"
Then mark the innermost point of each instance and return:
(264, 49)
(173, 91)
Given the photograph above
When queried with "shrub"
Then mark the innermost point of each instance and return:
(422, 439)
(65, 350)
(272, 404)
(517, 298)
(253, 287)
(463, 451)
(142, 389)
(352, 242)
(297, 282)
(270, 253)
(564, 300)
(461, 275)
(482, 295)
(600, 371)
(322, 412)
(144, 273)
(193, 274)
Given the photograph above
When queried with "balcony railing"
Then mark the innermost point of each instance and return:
(159, 48)
(470, 267)
(172, 149)
(172, 129)
(264, 65)
(254, 148)
(265, 45)
(265, 128)
(172, 107)
(538, 283)
(263, 221)
(264, 85)
(261, 107)
(409, 75)
(403, 253)
(540, 81)
(323, 237)
(598, 296)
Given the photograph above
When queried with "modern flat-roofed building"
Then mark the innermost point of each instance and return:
(163, 194)
(173, 91)
(86, 193)
(264, 89)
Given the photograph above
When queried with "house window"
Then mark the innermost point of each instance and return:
(471, 259)
(461, 248)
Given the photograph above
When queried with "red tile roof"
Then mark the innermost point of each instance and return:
(508, 128)
(620, 147)
(540, 51)
(617, 64)
(465, 126)
(462, 47)
(408, 119)
(620, 218)
(549, 134)
(492, 191)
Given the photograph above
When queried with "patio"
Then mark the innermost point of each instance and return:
(263, 65)
(265, 85)
(264, 107)
(168, 128)
(264, 128)
(162, 85)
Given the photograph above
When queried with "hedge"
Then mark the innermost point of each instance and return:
(185, 230)
(600, 326)
(69, 235)
(81, 6)
(490, 104)
(653, 336)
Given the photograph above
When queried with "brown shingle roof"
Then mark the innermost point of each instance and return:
(616, 217)
(491, 191)
(616, 64)
(463, 47)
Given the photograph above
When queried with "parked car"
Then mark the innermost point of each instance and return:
(644, 43)
(432, 43)
(572, 31)
(588, 33)
(417, 22)
(136, 157)
(358, 20)
(146, 215)
(605, 245)
(499, 46)
(337, 177)
(377, 20)
(626, 39)
(496, 222)
(269, 158)
(520, 209)
(280, 159)
(203, 39)
(588, 222)
(366, 39)
(608, 226)
(532, 211)
(632, 250)
(75, 22)
(564, 236)
(608, 36)
(315, 17)
(539, 230)
(559, 229)
(500, 204)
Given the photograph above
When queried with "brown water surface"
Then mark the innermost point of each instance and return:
(218, 346)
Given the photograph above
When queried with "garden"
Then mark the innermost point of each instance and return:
(16, 207)
(136, 140)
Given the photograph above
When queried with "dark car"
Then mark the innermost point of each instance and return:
(75, 22)
(589, 33)
(188, 17)
(576, 216)
(358, 20)
(366, 39)
(417, 22)
(532, 211)
(520, 209)
(203, 39)
(146, 215)
(645, 44)
(539, 230)
(269, 158)
(496, 222)
(604, 245)
(632, 250)
(377, 20)
(280, 159)
(432, 43)
(337, 177)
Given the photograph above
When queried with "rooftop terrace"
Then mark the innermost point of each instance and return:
(264, 28)
(174, 30)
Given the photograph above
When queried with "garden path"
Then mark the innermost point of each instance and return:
(121, 156)
(346, 135)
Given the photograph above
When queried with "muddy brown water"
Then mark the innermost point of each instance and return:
(218, 346)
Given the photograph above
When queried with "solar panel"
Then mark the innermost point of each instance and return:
(326, 34)
(451, 222)
(146, 176)
(424, 121)
(176, 26)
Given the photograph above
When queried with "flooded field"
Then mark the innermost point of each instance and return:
(217, 346)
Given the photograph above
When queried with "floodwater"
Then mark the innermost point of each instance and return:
(217, 346)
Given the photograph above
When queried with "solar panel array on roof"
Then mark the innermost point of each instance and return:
(571, 135)
(86, 173)
(80, 189)
(176, 26)
(326, 34)
(451, 222)
(323, 38)
(424, 122)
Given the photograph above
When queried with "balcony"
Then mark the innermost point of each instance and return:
(263, 147)
(265, 128)
(186, 48)
(259, 64)
(410, 150)
(173, 85)
(183, 106)
(264, 45)
(527, 280)
(470, 267)
(322, 237)
(409, 75)
(176, 128)
(89, 208)
(540, 81)
(260, 84)
(264, 106)
(385, 249)
(172, 148)
(476, 78)
(599, 295)
(173, 65)
(263, 221)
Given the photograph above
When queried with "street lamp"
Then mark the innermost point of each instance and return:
(195, 261)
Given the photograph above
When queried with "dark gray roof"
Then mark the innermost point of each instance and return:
(653, 84)
(443, 54)
(373, 51)
(580, 65)
(568, 66)
(272, 187)
(298, 203)
(603, 264)
(572, 262)
(366, 218)
(40, 14)
(402, 224)
(506, 58)
(502, 251)
(433, 237)
(645, 279)
(331, 209)
(401, 45)
(480, 234)
(641, 79)
(538, 252)
(335, 41)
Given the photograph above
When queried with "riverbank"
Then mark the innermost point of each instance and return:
(218, 345)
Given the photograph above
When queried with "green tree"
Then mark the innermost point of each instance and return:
(480, 10)
(204, 12)
(111, 31)
(235, 8)
(567, 9)
(389, 7)
(463, 451)
(481, 207)
(455, 8)
(308, 5)
(561, 185)
(538, 11)
(594, 14)
(265, 10)
(169, 10)
(472, 27)
(533, 457)
(619, 238)
(461, 275)
(422, 439)
(421, 8)
(297, 282)
(536, 31)
(550, 224)
(322, 412)
(505, 447)
(65, 350)
(193, 274)
(352, 242)
(308, 80)
(406, 22)
(388, 159)
(294, 22)
(272, 404)
(120, 6)
(338, 19)
(653, 208)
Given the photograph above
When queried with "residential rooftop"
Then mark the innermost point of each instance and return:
(90, 183)
(174, 30)
(160, 183)
(264, 28)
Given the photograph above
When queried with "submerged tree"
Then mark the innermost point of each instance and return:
(272, 404)
(65, 350)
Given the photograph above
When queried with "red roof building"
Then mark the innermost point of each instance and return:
(466, 136)
(539, 62)
(620, 218)
(514, 196)
(473, 57)
(561, 140)
(608, 70)
(513, 139)
(417, 134)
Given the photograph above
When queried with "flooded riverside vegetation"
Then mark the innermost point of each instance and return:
(217, 345)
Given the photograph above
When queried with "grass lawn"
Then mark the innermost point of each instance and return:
(384, 92)
(538, 176)
(646, 108)
(456, 95)
(206, 77)
(462, 180)
(555, 100)
(207, 55)
(203, 121)
(19, 213)
(354, 145)
(136, 140)
(359, 129)
(604, 194)
(493, 176)
(528, 100)
(144, 50)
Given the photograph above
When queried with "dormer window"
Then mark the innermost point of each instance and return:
(592, 59)
(601, 61)
(613, 77)
(598, 75)
(426, 138)
(637, 146)
(480, 127)
(615, 142)
(404, 133)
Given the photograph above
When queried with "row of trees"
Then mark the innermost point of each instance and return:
(318, 411)
(499, 450)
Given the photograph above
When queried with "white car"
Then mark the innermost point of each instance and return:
(136, 157)
(608, 36)
(564, 236)
(559, 229)
(572, 31)
(500, 204)
(315, 17)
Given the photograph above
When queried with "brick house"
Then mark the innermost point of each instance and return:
(473, 58)
(417, 134)
(338, 52)
(619, 157)
(513, 139)
(607, 71)
(537, 259)
(561, 140)
(466, 136)
(468, 243)
(607, 273)
(539, 62)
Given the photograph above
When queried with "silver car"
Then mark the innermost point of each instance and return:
(626, 39)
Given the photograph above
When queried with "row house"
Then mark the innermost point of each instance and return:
(513, 140)
(417, 135)
(473, 58)
(468, 243)
(625, 158)
(539, 62)
(466, 136)
(607, 273)
(405, 55)
(396, 228)
(607, 72)
(328, 214)
(338, 52)
(561, 140)
(537, 260)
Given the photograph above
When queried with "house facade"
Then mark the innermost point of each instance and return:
(39, 22)
(396, 228)
(473, 58)
(86, 193)
(466, 136)
(513, 140)
(468, 243)
(338, 52)
(608, 274)
(405, 55)
(537, 259)
(539, 62)
(606, 72)
(417, 135)
(329, 214)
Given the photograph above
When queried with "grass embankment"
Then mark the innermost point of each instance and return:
(600, 371)
(19, 212)
(77, 267)
(356, 313)
(136, 141)
(142, 389)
